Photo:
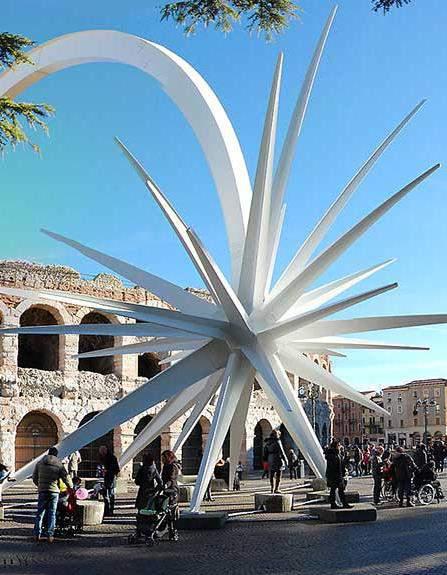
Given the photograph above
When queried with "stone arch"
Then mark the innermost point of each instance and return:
(102, 365)
(36, 432)
(45, 352)
(89, 453)
(148, 365)
(181, 83)
(262, 430)
(154, 448)
(192, 449)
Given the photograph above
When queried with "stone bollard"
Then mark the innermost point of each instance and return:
(319, 484)
(274, 502)
(90, 512)
(219, 485)
(185, 493)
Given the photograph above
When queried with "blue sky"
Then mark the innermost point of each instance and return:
(374, 71)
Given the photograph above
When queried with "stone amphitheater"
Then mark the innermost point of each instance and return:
(45, 393)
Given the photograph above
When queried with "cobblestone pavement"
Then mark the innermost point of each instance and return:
(401, 542)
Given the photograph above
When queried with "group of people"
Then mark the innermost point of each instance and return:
(53, 477)
(392, 464)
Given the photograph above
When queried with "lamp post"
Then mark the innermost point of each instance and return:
(425, 404)
(312, 393)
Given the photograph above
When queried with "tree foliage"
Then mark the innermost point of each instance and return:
(265, 16)
(15, 116)
(386, 5)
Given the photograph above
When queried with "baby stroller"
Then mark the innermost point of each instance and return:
(68, 522)
(157, 520)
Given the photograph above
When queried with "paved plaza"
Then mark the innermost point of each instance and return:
(402, 541)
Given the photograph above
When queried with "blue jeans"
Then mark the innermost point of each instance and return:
(109, 495)
(46, 509)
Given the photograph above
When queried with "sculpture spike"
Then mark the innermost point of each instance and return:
(278, 305)
(302, 256)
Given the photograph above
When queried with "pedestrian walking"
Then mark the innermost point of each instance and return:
(335, 475)
(438, 455)
(111, 472)
(4, 476)
(292, 462)
(277, 460)
(377, 473)
(169, 477)
(421, 455)
(46, 476)
(404, 468)
(365, 461)
(73, 464)
(357, 460)
(148, 480)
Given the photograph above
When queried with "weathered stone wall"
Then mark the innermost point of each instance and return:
(67, 395)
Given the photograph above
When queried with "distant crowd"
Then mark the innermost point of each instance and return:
(397, 473)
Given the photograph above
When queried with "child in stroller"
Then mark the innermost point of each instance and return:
(68, 523)
(157, 519)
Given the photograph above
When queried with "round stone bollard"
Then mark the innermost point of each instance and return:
(274, 502)
(185, 493)
(90, 512)
(319, 484)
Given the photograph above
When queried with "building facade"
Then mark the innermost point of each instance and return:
(355, 424)
(46, 393)
(407, 422)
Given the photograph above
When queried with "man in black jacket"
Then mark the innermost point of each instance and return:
(335, 475)
(111, 471)
(404, 468)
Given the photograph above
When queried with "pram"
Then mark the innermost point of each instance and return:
(68, 521)
(157, 520)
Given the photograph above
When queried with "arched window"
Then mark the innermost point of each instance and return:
(36, 432)
(262, 431)
(90, 452)
(102, 365)
(153, 448)
(192, 451)
(38, 351)
(148, 365)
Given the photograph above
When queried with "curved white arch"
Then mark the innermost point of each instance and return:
(184, 85)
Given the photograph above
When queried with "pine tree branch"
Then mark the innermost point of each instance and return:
(386, 5)
(14, 116)
(266, 16)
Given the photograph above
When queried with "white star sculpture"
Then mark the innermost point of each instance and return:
(251, 330)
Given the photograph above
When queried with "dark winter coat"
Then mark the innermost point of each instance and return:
(335, 469)
(376, 466)
(48, 472)
(404, 467)
(147, 479)
(169, 475)
(420, 458)
(111, 467)
(274, 454)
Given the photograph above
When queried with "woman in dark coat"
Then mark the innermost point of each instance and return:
(169, 477)
(276, 458)
(335, 475)
(147, 479)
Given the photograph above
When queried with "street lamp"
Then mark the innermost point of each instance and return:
(425, 404)
(312, 393)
